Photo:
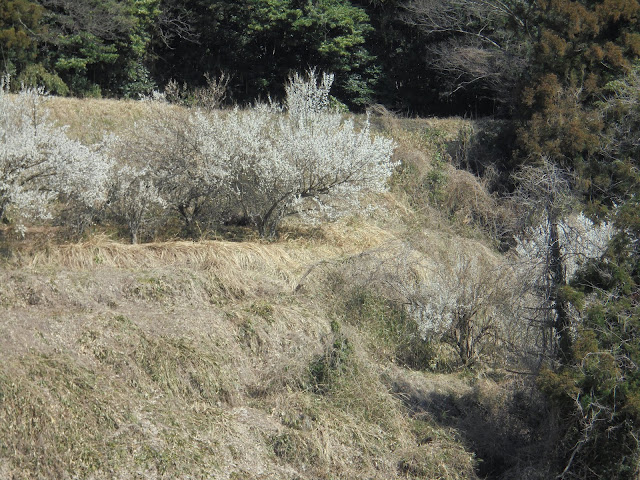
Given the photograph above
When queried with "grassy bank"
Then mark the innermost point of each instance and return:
(253, 359)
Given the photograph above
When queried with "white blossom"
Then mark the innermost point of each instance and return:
(40, 163)
(278, 162)
(579, 238)
(132, 195)
(189, 173)
(260, 164)
(307, 96)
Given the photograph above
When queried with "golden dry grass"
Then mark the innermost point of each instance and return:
(177, 359)
(206, 360)
(89, 119)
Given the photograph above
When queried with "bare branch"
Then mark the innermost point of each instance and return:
(471, 43)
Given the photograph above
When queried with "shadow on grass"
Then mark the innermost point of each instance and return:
(508, 427)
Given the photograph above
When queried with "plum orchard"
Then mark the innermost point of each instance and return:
(256, 165)
(260, 164)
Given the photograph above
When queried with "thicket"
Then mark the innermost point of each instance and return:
(207, 168)
(571, 135)
(125, 48)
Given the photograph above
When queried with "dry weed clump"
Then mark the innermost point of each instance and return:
(226, 259)
(436, 190)
(345, 429)
(504, 420)
(427, 298)
(438, 185)
(509, 424)
(209, 97)
(418, 133)
(470, 203)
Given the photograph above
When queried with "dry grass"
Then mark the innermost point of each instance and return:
(231, 360)
(436, 193)
(419, 133)
(194, 360)
(89, 119)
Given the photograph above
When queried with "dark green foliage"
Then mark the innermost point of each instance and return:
(261, 42)
(585, 51)
(478, 50)
(87, 48)
(99, 47)
(618, 173)
(581, 47)
(126, 48)
(405, 81)
(19, 20)
(598, 388)
(35, 75)
(335, 361)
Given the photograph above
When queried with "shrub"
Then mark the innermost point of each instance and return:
(209, 97)
(301, 162)
(550, 251)
(458, 296)
(37, 75)
(460, 303)
(336, 360)
(132, 196)
(39, 163)
(393, 330)
(170, 145)
(580, 240)
(208, 166)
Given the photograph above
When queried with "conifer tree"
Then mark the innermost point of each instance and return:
(584, 53)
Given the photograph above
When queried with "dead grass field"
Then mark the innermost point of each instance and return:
(192, 360)
(231, 360)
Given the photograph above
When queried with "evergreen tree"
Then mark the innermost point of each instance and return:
(18, 20)
(585, 51)
(99, 47)
(261, 42)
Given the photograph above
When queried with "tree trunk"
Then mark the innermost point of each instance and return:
(189, 214)
(562, 321)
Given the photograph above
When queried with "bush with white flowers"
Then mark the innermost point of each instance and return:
(306, 158)
(170, 145)
(256, 165)
(133, 196)
(580, 240)
(461, 303)
(39, 163)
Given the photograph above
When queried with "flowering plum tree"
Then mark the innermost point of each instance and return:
(132, 195)
(170, 146)
(459, 300)
(579, 239)
(310, 155)
(554, 245)
(40, 163)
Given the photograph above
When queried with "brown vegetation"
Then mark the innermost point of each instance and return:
(294, 358)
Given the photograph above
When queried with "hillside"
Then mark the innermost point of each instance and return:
(253, 359)
(494, 257)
